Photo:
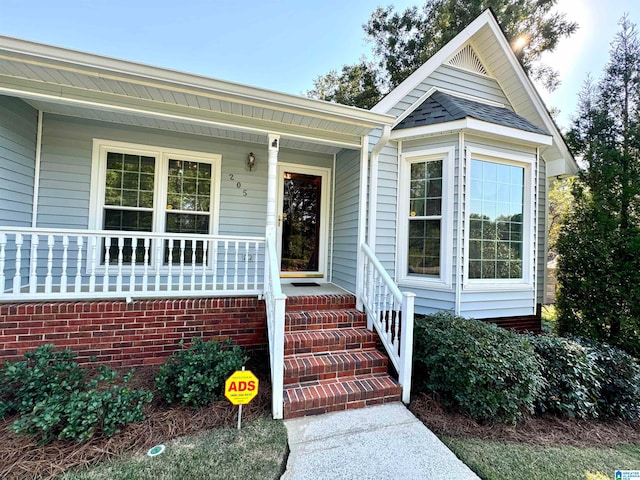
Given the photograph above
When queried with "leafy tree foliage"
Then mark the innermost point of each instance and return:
(599, 246)
(560, 208)
(402, 41)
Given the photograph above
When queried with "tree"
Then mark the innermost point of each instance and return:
(560, 201)
(402, 42)
(599, 246)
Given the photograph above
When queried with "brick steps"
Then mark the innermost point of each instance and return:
(331, 362)
(324, 366)
(332, 395)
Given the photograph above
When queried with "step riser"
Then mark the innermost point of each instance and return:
(309, 368)
(321, 302)
(329, 375)
(321, 320)
(314, 400)
(336, 345)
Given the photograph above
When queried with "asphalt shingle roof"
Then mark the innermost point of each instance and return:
(441, 107)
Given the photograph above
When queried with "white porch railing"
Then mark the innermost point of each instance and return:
(391, 313)
(55, 264)
(275, 302)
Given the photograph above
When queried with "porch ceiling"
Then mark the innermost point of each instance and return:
(72, 83)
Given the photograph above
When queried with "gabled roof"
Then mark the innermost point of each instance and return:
(491, 46)
(441, 107)
(68, 82)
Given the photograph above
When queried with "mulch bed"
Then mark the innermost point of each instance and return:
(545, 430)
(21, 457)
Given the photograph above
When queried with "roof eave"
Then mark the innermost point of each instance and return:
(27, 51)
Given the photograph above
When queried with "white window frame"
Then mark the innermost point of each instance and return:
(162, 156)
(528, 163)
(444, 280)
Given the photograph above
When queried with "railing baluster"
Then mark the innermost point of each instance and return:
(17, 278)
(215, 265)
(246, 265)
(235, 268)
(78, 283)
(181, 279)
(132, 276)
(94, 260)
(3, 245)
(170, 267)
(255, 266)
(33, 264)
(226, 262)
(193, 265)
(107, 261)
(205, 248)
(63, 274)
(48, 278)
(158, 263)
(145, 274)
(120, 260)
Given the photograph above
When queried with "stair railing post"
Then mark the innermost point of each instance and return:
(406, 345)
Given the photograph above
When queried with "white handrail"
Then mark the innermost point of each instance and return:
(275, 302)
(390, 312)
(52, 264)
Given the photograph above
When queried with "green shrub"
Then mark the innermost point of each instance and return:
(55, 398)
(486, 371)
(195, 376)
(619, 395)
(572, 377)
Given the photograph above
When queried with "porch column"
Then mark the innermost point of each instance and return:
(272, 184)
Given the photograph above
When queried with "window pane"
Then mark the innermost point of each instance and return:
(186, 184)
(126, 220)
(495, 224)
(126, 175)
(424, 247)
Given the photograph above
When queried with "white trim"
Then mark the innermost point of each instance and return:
(362, 221)
(242, 124)
(460, 188)
(333, 218)
(325, 201)
(373, 187)
(162, 155)
(471, 125)
(36, 172)
(526, 283)
(443, 281)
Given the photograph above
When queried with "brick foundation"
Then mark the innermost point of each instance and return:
(532, 323)
(118, 333)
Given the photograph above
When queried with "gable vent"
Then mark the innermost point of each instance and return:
(467, 59)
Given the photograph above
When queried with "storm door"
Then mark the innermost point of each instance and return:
(302, 221)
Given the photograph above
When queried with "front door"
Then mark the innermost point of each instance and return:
(302, 221)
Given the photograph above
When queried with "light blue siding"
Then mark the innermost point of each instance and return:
(66, 167)
(18, 130)
(455, 80)
(542, 230)
(345, 235)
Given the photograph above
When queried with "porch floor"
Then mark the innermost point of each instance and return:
(309, 291)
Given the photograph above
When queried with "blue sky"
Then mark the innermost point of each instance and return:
(276, 44)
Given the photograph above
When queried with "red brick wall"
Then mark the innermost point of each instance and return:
(531, 323)
(120, 333)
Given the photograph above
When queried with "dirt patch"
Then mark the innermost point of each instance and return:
(545, 430)
(21, 456)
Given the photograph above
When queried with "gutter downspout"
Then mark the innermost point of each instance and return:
(373, 191)
(36, 174)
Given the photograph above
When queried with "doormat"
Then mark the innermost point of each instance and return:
(305, 284)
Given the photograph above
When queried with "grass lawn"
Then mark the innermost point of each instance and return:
(256, 452)
(497, 460)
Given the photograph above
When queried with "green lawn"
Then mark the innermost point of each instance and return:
(495, 460)
(256, 452)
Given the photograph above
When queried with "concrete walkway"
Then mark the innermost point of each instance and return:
(384, 442)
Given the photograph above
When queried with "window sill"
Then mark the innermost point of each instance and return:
(496, 286)
(425, 283)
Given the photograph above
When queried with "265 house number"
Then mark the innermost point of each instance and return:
(232, 178)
